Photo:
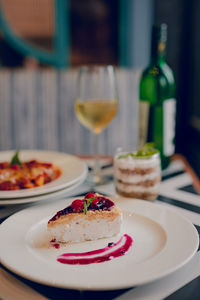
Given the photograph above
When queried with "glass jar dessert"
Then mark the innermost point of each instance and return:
(138, 174)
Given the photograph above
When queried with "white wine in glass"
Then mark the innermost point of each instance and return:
(96, 105)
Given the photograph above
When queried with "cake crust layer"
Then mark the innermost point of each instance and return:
(91, 215)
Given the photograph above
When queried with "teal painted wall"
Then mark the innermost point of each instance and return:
(136, 20)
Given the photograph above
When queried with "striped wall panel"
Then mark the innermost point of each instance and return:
(37, 112)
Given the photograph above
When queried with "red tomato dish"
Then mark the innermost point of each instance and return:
(27, 175)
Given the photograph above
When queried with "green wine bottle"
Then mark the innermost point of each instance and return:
(157, 106)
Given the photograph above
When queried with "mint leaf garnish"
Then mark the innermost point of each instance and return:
(127, 155)
(146, 151)
(15, 159)
(85, 208)
(87, 203)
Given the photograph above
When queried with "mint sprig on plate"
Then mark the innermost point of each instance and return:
(15, 160)
(87, 203)
(146, 151)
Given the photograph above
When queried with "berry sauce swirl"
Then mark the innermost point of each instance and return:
(99, 255)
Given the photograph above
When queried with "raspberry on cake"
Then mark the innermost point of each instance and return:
(90, 218)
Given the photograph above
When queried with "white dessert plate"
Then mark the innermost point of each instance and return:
(163, 241)
(73, 168)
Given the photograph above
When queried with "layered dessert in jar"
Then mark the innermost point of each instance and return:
(138, 174)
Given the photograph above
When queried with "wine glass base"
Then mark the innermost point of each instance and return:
(95, 180)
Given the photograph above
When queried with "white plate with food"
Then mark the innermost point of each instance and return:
(59, 170)
(57, 195)
(162, 242)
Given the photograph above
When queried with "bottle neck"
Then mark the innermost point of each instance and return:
(158, 52)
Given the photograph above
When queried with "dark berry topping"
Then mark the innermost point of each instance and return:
(62, 212)
(103, 203)
(94, 204)
(91, 201)
(110, 244)
(77, 205)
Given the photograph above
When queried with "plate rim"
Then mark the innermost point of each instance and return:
(111, 287)
(44, 189)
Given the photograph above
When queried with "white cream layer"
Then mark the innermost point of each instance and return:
(136, 188)
(132, 163)
(83, 230)
(135, 178)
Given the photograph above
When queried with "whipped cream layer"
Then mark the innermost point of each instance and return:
(136, 162)
(136, 178)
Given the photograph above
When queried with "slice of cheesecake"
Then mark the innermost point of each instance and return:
(90, 218)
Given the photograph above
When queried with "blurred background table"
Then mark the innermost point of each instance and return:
(179, 189)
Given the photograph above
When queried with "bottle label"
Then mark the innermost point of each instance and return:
(143, 122)
(169, 126)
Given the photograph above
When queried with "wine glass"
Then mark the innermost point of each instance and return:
(96, 105)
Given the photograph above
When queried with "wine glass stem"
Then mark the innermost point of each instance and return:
(97, 168)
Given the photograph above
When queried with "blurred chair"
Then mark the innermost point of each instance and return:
(37, 111)
(24, 21)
